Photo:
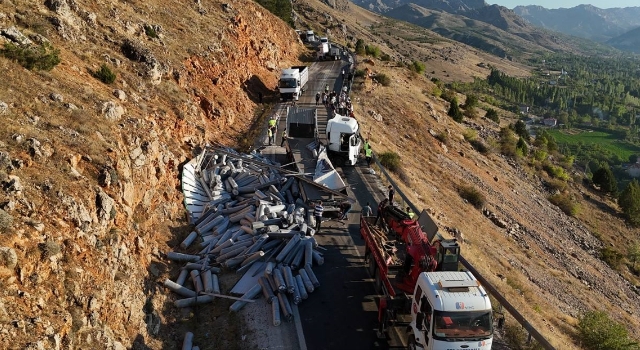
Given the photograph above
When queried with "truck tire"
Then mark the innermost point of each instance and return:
(371, 266)
(412, 343)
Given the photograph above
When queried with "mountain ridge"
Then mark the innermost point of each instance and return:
(586, 21)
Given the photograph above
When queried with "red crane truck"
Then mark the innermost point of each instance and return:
(441, 307)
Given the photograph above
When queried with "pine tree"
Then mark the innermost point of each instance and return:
(522, 145)
(629, 202)
(454, 110)
(604, 178)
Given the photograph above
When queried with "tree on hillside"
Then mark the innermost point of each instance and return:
(629, 202)
(604, 178)
(493, 115)
(360, 47)
(454, 110)
(521, 130)
(471, 102)
(522, 146)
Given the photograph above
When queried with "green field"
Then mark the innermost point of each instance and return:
(584, 141)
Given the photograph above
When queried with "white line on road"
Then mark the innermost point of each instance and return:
(298, 322)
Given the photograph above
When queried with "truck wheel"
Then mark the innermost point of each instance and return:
(412, 343)
(372, 265)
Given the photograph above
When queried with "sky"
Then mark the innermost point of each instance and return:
(554, 4)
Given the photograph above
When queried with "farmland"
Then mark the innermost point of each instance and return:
(595, 144)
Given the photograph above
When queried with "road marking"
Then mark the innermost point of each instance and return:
(298, 322)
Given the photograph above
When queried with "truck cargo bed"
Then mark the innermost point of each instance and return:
(388, 254)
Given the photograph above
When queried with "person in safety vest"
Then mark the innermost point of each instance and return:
(410, 213)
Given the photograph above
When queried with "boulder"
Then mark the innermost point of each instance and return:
(120, 95)
(13, 185)
(8, 257)
(112, 111)
(56, 97)
(13, 34)
(135, 51)
(105, 206)
(4, 107)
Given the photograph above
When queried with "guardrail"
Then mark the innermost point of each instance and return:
(533, 332)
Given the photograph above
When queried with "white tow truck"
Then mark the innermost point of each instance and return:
(450, 310)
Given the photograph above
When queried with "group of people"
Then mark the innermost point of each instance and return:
(272, 129)
(339, 103)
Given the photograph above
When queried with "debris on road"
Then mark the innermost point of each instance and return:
(245, 218)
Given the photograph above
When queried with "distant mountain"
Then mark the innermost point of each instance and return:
(450, 6)
(584, 21)
(490, 28)
(629, 41)
(516, 37)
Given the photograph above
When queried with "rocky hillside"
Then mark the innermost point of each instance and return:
(585, 21)
(90, 192)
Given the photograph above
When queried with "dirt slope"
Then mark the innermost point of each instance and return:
(90, 171)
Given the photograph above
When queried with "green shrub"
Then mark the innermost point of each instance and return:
(150, 32)
(385, 57)
(556, 185)
(454, 111)
(104, 74)
(479, 146)
(6, 220)
(42, 57)
(472, 195)
(390, 160)
(448, 95)
(372, 50)
(360, 73)
(492, 114)
(383, 79)
(596, 331)
(417, 66)
(470, 134)
(442, 137)
(565, 203)
(611, 256)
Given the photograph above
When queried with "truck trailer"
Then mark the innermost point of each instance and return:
(323, 51)
(334, 52)
(439, 310)
(292, 82)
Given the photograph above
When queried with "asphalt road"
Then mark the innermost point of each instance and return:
(342, 313)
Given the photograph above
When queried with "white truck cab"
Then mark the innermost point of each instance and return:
(343, 136)
(450, 310)
(310, 36)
